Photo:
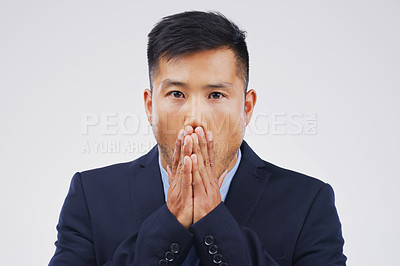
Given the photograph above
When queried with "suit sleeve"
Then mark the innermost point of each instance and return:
(220, 239)
(161, 237)
(320, 241)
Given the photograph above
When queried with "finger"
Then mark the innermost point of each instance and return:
(186, 188)
(177, 158)
(188, 130)
(179, 170)
(187, 146)
(171, 177)
(177, 151)
(211, 153)
(203, 145)
(204, 174)
(196, 147)
(198, 187)
(205, 169)
(196, 150)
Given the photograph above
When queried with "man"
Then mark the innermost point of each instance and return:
(201, 196)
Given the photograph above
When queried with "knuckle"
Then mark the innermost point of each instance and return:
(186, 184)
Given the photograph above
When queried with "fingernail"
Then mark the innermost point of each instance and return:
(184, 161)
(195, 159)
(180, 135)
(201, 132)
(184, 142)
(187, 130)
(209, 136)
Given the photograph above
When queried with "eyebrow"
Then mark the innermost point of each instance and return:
(169, 82)
(217, 85)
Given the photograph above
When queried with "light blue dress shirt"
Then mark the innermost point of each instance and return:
(192, 259)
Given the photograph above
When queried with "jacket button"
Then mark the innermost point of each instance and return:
(175, 248)
(217, 258)
(208, 240)
(162, 262)
(213, 249)
(169, 256)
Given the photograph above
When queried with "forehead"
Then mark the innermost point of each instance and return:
(198, 68)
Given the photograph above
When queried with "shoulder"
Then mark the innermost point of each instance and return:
(116, 174)
(286, 186)
(287, 176)
(300, 189)
(295, 186)
(278, 175)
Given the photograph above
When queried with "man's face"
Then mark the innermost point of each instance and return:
(200, 89)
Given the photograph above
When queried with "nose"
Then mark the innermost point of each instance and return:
(195, 113)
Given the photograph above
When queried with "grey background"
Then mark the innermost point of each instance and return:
(60, 60)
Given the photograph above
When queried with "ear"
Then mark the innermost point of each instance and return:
(250, 102)
(147, 104)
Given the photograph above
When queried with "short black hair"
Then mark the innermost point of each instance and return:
(193, 31)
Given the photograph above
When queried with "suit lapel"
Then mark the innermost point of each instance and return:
(146, 186)
(247, 185)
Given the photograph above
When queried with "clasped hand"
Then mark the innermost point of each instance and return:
(193, 183)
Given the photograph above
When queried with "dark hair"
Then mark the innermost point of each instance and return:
(193, 31)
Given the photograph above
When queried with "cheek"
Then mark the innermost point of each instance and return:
(226, 123)
(166, 119)
(229, 132)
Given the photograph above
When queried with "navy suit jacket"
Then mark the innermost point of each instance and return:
(116, 215)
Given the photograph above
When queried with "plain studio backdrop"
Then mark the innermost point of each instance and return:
(72, 75)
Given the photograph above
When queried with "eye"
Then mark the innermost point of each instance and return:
(216, 95)
(176, 94)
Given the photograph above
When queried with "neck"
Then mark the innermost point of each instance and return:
(232, 163)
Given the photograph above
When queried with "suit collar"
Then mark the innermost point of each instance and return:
(244, 192)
